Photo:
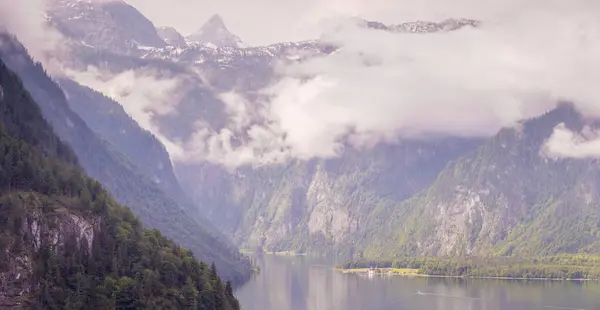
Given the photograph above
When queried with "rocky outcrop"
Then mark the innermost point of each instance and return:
(33, 233)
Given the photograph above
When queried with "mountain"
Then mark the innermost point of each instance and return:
(110, 25)
(437, 197)
(110, 122)
(506, 197)
(124, 180)
(215, 33)
(171, 36)
(320, 205)
(66, 244)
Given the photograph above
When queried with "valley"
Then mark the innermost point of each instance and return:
(139, 160)
(437, 196)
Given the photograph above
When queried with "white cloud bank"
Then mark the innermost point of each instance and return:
(26, 20)
(142, 93)
(381, 86)
(525, 56)
(565, 143)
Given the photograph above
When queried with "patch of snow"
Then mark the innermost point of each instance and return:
(145, 48)
(87, 45)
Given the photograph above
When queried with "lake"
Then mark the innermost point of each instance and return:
(303, 283)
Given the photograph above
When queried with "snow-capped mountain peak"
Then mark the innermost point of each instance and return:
(214, 32)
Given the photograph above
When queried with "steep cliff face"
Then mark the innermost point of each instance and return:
(37, 222)
(506, 197)
(319, 205)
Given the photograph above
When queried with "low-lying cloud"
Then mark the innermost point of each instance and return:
(565, 143)
(380, 87)
(469, 82)
(143, 94)
(26, 20)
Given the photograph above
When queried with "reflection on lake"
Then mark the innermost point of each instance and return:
(302, 283)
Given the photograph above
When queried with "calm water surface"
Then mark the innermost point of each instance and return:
(301, 283)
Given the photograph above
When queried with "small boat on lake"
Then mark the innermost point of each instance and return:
(371, 271)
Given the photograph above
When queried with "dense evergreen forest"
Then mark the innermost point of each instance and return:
(552, 267)
(66, 244)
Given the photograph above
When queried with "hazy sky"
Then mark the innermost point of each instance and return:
(267, 21)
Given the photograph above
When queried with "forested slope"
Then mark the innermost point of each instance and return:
(64, 241)
(127, 183)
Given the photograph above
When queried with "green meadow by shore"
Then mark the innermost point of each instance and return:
(561, 267)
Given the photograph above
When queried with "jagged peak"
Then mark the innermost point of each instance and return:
(215, 32)
(215, 22)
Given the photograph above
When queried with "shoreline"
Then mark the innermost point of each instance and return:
(280, 253)
(417, 274)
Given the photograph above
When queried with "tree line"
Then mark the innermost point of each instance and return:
(565, 266)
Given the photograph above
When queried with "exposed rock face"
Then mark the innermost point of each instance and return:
(321, 205)
(38, 232)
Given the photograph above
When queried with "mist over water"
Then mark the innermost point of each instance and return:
(301, 283)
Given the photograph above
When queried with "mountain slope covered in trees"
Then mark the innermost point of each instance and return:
(66, 244)
(109, 121)
(509, 196)
(122, 178)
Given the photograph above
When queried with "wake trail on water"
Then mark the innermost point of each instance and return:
(446, 296)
